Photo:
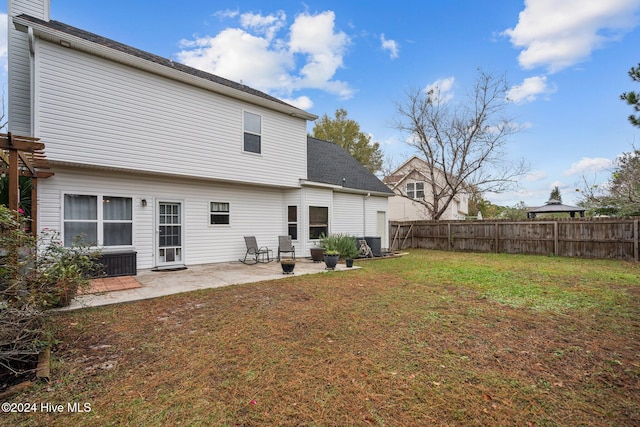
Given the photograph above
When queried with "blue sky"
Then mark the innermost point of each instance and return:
(566, 61)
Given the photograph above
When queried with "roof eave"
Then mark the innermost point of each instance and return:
(339, 188)
(80, 44)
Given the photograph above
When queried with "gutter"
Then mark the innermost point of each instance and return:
(341, 189)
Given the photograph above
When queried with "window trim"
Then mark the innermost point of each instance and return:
(99, 221)
(250, 132)
(212, 212)
(296, 222)
(318, 225)
(413, 194)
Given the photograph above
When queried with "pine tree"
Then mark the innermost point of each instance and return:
(555, 194)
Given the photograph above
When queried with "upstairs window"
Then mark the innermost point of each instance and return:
(415, 190)
(252, 133)
(219, 213)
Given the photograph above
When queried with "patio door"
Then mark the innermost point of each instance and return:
(169, 240)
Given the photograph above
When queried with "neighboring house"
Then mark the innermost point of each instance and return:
(414, 180)
(169, 162)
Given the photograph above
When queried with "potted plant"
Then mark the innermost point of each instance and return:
(317, 254)
(288, 264)
(331, 253)
(331, 259)
(348, 249)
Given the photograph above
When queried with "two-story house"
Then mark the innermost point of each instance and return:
(411, 182)
(177, 165)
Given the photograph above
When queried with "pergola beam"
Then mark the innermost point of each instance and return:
(14, 191)
(23, 156)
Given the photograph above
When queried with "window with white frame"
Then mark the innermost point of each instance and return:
(318, 221)
(292, 222)
(252, 133)
(98, 220)
(219, 213)
(415, 190)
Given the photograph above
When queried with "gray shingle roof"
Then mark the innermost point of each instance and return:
(554, 206)
(329, 163)
(120, 47)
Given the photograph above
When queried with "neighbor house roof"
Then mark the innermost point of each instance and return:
(329, 163)
(411, 167)
(408, 172)
(76, 38)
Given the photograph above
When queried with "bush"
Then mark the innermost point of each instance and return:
(35, 275)
(339, 243)
(347, 246)
(329, 243)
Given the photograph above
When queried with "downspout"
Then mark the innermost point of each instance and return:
(32, 83)
(364, 214)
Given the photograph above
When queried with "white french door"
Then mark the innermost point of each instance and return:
(169, 250)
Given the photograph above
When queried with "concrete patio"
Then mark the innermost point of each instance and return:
(159, 283)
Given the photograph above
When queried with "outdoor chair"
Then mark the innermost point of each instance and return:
(255, 254)
(285, 246)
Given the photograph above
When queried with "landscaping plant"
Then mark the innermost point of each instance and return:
(36, 274)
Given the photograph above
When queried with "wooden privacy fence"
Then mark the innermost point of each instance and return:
(583, 238)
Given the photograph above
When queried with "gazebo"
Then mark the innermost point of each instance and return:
(555, 206)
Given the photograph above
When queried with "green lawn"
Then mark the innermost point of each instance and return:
(431, 338)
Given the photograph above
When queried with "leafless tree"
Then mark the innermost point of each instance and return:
(3, 116)
(465, 146)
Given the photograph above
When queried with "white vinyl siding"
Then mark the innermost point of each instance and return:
(348, 210)
(100, 113)
(257, 211)
(373, 206)
(19, 68)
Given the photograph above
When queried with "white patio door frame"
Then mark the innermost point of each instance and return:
(169, 233)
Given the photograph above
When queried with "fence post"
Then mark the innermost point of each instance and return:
(636, 230)
(497, 234)
(555, 238)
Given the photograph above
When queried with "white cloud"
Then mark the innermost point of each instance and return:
(314, 36)
(558, 34)
(442, 90)
(240, 56)
(265, 25)
(512, 198)
(529, 90)
(589, 165)
(535, 176)
(265, 54)
(228, 13)
(302, 102)
(390, 45)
